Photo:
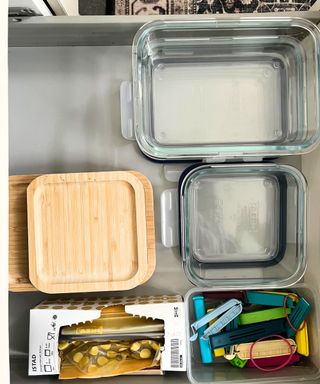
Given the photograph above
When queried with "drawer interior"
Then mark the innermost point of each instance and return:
(64, 116)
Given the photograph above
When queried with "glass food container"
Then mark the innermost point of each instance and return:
(226, 88)
(243, 224)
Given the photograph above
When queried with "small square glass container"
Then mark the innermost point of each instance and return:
(226, 88)
(243, 223)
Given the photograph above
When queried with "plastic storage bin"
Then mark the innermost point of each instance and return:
(243, 223)
(226, 88)
(223, 372)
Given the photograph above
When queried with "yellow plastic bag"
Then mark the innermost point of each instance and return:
(108, 358)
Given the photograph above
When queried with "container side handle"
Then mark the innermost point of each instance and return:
(126, 108)
(169, 218)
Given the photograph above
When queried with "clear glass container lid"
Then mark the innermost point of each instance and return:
(226, 88)
(243, 223)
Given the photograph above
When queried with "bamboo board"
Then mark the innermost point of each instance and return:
(18, 234)
(84, 206)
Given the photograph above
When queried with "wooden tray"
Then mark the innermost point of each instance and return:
(121, 201)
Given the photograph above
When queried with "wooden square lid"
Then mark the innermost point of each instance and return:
(90, 231)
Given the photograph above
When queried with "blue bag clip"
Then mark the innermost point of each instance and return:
(205, 347)
(297, 316)
(248, 333)
(268, 299)
(230, 310)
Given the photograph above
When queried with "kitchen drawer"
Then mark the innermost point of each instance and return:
(64, 116)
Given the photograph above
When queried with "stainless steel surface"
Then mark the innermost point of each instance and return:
(21, 12)
(100, 30)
